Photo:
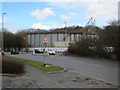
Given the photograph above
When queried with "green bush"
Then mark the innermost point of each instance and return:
(12, 66)
(72, 48)
(90, 47)
(80, 48)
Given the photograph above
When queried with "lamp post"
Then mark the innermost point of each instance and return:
(65, 27)
(2, 46)
(65, 31)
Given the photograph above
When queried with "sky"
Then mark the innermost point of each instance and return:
(50, 15)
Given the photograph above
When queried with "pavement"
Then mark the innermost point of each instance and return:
(0, 70)
(35, 78)
(99, 69)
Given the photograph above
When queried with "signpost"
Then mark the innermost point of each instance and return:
(45, 41)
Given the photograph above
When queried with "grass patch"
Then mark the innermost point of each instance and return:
(39, 65)
(12, 66)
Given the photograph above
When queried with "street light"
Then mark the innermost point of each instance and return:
(2, 46)
(65, 31)
(65, 27)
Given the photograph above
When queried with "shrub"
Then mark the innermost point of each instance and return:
(72, 48)
(81, 48)
(12, 66)
(89, 47)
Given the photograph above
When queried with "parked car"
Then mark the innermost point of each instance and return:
(14, 52)
(27, 50)
(65, 52)
(51, 52)
(39, 51)
(3, 53)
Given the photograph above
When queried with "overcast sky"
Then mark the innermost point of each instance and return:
(50, 15)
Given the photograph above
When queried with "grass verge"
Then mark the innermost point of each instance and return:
(39, 65)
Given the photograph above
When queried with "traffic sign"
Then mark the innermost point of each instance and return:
(45, 41)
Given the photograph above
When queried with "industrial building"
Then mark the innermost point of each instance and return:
(64, 36)
(56, 39)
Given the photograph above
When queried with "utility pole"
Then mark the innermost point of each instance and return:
(65, 30)
(2, 34)
(45, 41)
(65, 27)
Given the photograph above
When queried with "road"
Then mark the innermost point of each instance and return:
(99, 69)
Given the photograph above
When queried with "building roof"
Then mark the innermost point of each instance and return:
(68, 30)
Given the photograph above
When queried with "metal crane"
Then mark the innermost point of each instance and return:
(90, 23)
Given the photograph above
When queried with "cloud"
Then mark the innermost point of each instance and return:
(79, 25)
(64, 17)
(13, 27)
(42, 14)
(40, 26)
(102, 10)
(58, 0)
(66, 5)
(72, 4)
(56, 25)
(105, 9)
(51, 25)
(47, 25)
(52, 0)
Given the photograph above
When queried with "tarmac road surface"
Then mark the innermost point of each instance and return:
(99, 69)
